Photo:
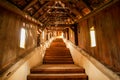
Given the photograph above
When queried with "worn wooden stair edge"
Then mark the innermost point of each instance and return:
(58, 76)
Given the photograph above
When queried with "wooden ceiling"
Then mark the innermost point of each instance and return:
(52, 13)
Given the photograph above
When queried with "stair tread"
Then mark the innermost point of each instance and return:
(58, 62)
(58, 48)
(68, 75)
(57, 56)
(58, 52)
(58, 66)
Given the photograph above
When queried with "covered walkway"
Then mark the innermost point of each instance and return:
(77, 38)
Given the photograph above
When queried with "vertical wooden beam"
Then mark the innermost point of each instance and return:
(67, 33)
(75, 30)
(76, 34)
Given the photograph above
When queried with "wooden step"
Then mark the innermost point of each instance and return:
(58, 51)
(58, 62)
(51, 53)
(58, 59)
(57, 68)
(58, 40)
(57, 48)
(57, 44)
(74, 76)
(66, 56)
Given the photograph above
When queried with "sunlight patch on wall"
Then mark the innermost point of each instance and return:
(92, 37)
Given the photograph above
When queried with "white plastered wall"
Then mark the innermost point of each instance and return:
(24, 69)
(94, 69)
(21, 69)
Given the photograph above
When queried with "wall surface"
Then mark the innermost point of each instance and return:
(22, 72)
(21, 69)
(107, 32)
(71, 36)
(93, 68)
(10, 31)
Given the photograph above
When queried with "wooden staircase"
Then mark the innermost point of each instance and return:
(57, 65)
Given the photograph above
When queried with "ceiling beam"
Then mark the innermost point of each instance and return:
(73, 10)
(44, 14)
(62, 25)
(42, 8)
(56, 7)
(111, 2)
(30, 4)
(90, 8)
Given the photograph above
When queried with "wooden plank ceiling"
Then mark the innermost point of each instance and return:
(58, 13)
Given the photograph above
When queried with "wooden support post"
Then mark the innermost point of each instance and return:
(67, 30)
(76, 34)
(75, 30)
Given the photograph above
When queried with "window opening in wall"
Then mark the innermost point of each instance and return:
(22, 38)
(92, 37)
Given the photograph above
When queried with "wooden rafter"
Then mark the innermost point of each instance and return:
(44, 14)
(90, 8)
(73, 10)
(42, 8)
(30, 4)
